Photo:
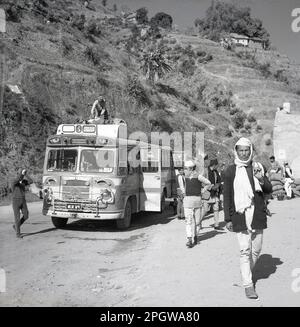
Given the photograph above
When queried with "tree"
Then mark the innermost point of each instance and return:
(115, 8)
(163, 20)
(104, 3)
(155, 66)
(142, 15)
(223, 17)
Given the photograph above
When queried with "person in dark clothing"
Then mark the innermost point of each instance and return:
(245, 184)
(19, 200)
(213, 176)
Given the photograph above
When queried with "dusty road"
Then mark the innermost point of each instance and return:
(93, 264)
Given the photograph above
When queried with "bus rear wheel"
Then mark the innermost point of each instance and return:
(125, 222)
(59, 222)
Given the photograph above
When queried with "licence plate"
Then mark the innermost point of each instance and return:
(74, 206)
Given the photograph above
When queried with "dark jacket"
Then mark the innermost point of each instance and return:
(237, 219)
(215, 179)
(18, 186)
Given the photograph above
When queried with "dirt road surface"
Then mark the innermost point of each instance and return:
(93, 264)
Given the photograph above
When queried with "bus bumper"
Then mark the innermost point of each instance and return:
(83, 215)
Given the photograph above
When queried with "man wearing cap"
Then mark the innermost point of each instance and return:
(191, 190)
(245, 184)
(212, 174)
(19, 200)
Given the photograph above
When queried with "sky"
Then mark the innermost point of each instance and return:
(275, 14)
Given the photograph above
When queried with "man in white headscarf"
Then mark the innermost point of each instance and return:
(245, 184)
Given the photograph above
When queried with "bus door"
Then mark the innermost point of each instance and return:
(150, 181)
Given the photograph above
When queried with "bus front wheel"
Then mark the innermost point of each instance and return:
(59, 222)
(125, 222)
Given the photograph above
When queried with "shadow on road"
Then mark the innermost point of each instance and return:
(139, 221)
(265, 266)
(39, 232)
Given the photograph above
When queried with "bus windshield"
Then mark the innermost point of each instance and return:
(97, 161)
(62, 160)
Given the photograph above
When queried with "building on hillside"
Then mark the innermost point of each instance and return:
(239, 40)
(246, 41)
(256, 42)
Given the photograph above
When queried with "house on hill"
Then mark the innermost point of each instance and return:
(246, 41)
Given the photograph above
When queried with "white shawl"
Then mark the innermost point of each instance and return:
(243, 193)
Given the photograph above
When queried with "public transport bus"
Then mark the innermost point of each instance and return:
(83, 179)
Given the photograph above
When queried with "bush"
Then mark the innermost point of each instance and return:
(137, 91)
(247, 126)
(142, 15)
(281, 77)
(92, 55)
(187, 67)
(163, 20)
(93, 27)
(251, 118)
(13, 13)
(265, 69)
(239, 119)
(78, 21)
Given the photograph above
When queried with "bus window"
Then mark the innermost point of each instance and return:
(62, 160)
(150, 160)
(97, 161)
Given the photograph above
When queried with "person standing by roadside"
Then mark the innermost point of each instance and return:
(244, 208)
(180, 183)
(193, 183)
(288, 179)
(214, 199)
(222, 172)
(19, 200)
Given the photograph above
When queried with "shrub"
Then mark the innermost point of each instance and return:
(265, 69)
(137, 91)
(187, 67)
(281, 77)
(92, 55)
(13, 13)
(78, 21)
(239, 119)
(162, 19)
(251, 118)
(93, 27)
(247, 126)
(142, 15)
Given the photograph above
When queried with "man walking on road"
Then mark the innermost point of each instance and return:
(193, 183)
(214, 199)
(19, 200)
(244, 208)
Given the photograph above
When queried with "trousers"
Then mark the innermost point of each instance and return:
(250, 244)
(192, 221)
(19, 205)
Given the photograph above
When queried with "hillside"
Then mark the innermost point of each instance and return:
(61, 63)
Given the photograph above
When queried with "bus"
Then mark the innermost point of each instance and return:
(83, 177)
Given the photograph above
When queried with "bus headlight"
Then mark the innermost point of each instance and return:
(107, 196)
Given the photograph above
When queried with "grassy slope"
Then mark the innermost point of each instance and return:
(65, 84)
